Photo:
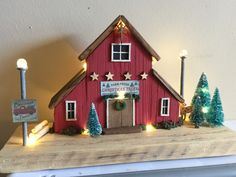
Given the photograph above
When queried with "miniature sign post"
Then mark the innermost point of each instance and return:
(23, 110)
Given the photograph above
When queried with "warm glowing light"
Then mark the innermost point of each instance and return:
(121, 24)
(154, 60)
(85, 132)
(205, 109)
(85, 66)
(121, 95)
(32, 140)
(21, 64)
(187, 119)
(183, 53)
(150, 128)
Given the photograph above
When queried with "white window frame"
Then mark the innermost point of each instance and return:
(168, 107)
(67, 110)
(120, 60)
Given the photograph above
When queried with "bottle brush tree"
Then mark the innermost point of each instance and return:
(93, 124)
(196, 116)
(202, 91)
(216, 114)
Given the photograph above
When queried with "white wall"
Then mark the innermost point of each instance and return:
(51, 34)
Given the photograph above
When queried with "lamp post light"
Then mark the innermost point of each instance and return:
(183, 55)
(21, 65)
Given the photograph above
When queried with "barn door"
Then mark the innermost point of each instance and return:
(120, 118)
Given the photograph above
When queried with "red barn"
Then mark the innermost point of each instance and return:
(119, 62)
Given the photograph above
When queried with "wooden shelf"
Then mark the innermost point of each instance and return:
(55, 151)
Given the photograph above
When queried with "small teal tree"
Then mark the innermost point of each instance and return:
(216, 114)
(93, 125)
(202, 91)
(196, 116)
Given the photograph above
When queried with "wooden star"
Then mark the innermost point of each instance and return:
(127, 76)
(94, 76)
(144, 76)
(109, 76)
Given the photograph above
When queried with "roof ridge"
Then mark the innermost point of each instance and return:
(109, 30)
(168, 86)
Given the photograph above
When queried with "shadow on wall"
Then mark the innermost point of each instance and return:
(51, 65)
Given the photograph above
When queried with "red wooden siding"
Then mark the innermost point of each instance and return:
(147, 109)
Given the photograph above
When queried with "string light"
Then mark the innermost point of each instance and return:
(85, 132)
(205, 109)
(150, 128)
(121, 95)
(120, 24)
(154, 60)
(205, 90)
(85, 66)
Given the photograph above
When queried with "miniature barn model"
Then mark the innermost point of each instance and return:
(120, 81)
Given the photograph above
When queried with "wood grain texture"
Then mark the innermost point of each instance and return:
(55, 151)
(122, 130)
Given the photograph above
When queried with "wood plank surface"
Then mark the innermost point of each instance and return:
(55, 151)
(122, 130)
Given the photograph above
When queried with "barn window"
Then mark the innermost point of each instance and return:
(165, 106)
(120, 52)
(70, 110)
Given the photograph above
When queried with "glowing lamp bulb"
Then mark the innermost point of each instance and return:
(150, 128)
(21, 64)
(183, 53)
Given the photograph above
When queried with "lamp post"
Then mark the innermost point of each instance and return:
(21, 65)
(183, 55)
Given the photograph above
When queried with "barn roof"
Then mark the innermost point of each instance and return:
(168, 86)
(81, 75)
(67, 88)
(109, 30)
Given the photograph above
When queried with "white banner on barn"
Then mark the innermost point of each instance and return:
(113, 87)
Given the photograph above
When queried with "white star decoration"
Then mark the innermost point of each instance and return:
(94, 76)
(109, 76)
(127, 76)
(144, 76)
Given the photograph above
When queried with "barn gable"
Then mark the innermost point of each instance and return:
(109, 30)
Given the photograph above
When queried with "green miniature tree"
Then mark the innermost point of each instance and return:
(202, 91)
(93, 123)
(216, 114)
(196, 116)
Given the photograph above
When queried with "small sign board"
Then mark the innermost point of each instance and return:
(112, 87)
(24, 110)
